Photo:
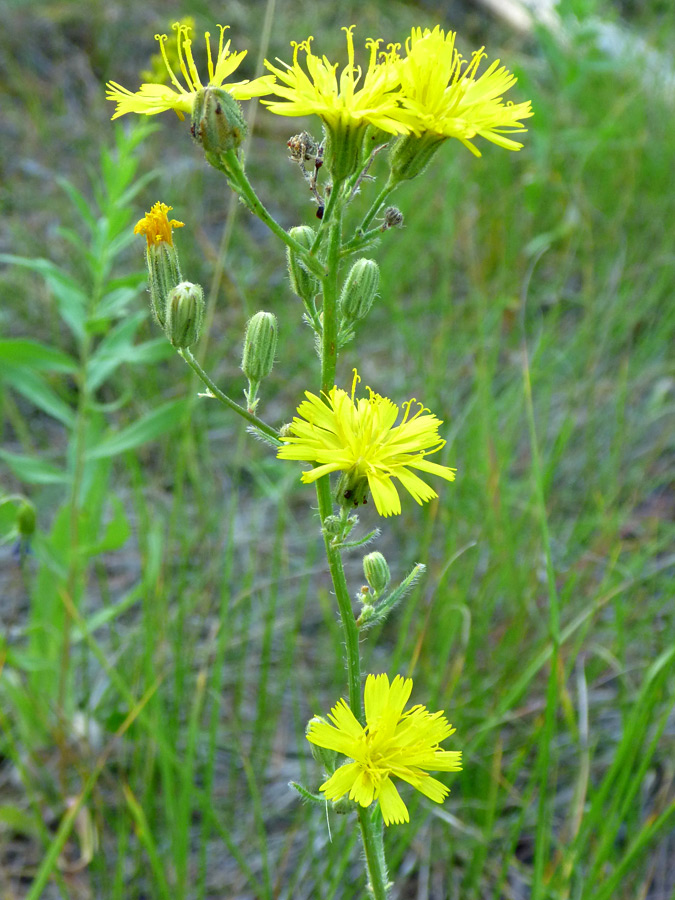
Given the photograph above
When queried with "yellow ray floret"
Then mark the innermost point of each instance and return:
(156, 226)
(359, 436)
(152, 99)
(350, 98)
(448, 97)
(394, 743)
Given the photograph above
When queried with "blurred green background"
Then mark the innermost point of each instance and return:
(168, 628)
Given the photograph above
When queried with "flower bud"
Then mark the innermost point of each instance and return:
(260, 345)
(184, 314)
(326, 758)
(218, 122)
(303, 283)
(360, 289)
(26, 519)
(376, 570)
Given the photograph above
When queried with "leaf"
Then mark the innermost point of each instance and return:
(116, 301)
(70, 298)
(35, 388)
(114, 349)
(117, 532)
(32, 470)
(148, 428)
(35, 355)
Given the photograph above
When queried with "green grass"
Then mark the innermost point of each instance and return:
(173, 629)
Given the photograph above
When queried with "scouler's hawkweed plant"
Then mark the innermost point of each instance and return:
(407, 102)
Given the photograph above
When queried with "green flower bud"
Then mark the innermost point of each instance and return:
(411, 155)
(218, 122)
(304, 284)
(260, 345)
(184, 314)
(26, 519)
(377, 572)
(360, 289)
(326, 758)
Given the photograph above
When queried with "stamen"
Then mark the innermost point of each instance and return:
(162, 38)
(181, 39)
(209, 61)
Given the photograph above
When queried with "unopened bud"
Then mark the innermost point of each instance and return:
(26, 519)
(184, 314)
(360, 289)
(304, 284)
(326, 758)
(260, 345)
(377, 572)
(218, 122)
(303, 147)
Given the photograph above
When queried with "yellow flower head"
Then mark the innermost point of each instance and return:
(393, 743)
(156, 226)
(344, 100)
(152, 99)
(359, 437)
(450, 99)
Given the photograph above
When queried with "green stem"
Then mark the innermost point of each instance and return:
(371, 837)
(337, 574)
(227, 401)
(236, 172)
(375, 208)
(374, 852)
(330, 302)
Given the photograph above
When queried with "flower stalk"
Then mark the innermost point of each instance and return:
(406, 106)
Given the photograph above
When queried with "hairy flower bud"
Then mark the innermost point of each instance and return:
(393, 218)
(218, 122)
(184, 314)
(376, 570)
(304, 284)
(260, 345)
(360, 289)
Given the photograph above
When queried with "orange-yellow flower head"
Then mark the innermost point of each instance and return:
(156, 226)
(394, 744)
(152, 99)
(360, 438)
(449, 99)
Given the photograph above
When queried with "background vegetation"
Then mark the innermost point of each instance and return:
(168, 628)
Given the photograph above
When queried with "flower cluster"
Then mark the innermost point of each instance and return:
(360, 438)
(394, 743)
(429, 92)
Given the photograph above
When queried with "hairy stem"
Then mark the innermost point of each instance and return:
(252, 419)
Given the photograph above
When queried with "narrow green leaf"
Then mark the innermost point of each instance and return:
(148, 428)
(33, 354)
(31, 470)
(33, 386)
